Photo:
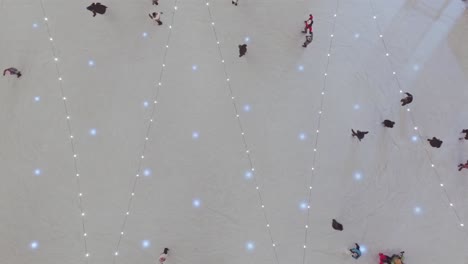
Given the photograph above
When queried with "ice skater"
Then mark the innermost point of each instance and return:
(155, 2)
(242, 50)
(355, 251)
(163, 256)
(462, 166)
(336, 225)
(359, 134)
(388, 123)
(435, 142)
(12, 71)
(234, 2)
(97, 8)
(464, 131)
(408, 99)
(156, 16)
(308, 40)
(308, 24)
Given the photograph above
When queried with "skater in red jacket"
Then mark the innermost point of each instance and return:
(308, 24)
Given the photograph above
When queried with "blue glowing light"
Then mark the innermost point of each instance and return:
(145, 243)
(356, 35)
(34, 245)
(196, 203)
(144, 34)
(416, 67)
(37, 172)
(92, 131)
(363, 249)
(357, 176)
(247, 108)
(250, 246)
(90, 63)
(246, 39)
(356, 107)
(300, 68)
(194, 67)
(248, 175)
(417, 210)
(302, 136)
(195, 135)
(414, 138)
(303, 205)
(35, 25)
(147, 172)
(37, 98)
(145, 104)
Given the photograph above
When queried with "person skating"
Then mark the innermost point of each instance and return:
(308, 24)
(388, 123)
(336, 225)
(242, 50)
(464, 131)
(12, 71)
(156, 16)
(163, 256)
(462, 166)
(359, 134)
(435, 142)
(97, 8)
(408, 99)
(384, 259)
(155, 2)
(355, 251)
(308, 40)
(234, 2)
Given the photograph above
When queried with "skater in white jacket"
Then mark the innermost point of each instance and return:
(163, 256)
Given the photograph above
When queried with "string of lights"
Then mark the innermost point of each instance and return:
(412, 118)
(243, 134)
(146, 139)
(319, 120)
(60, 81)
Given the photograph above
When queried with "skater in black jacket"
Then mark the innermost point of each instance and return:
(408, 99)
(359, 134)
(242, 50)
(97, 8)
(388, 123)
(435, 142)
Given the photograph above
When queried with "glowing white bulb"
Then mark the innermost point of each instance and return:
(196, 203)
(432, 165)
(375, 17)
(82, 214)
(257, 187)
(60, 78)
(451, 204)
(441, 185)
(274, 245)
(217, 42)
(145, 243)
(306, 226)
(325, 74)
(387, 54)
(167, 46)
(250, 246)
(85, 234)
(263, 206)
(34, 245)
(207, 4)
(87, 255)
(127, 213)
(334, 15)
(381, 35)
(462, 225)
(302, 136)
(122, 233)
(37, 172)
(45, 18)
(116, 253)
(332, 35)
(305, 246)
(55, 59)
(74, 155)
(175, 7)
(133, 194)
(212, 23)
(37, 98)
(393, 73)
(417, 210)
(80, 194)
(408, 110)
(51, 39)
(268, 225)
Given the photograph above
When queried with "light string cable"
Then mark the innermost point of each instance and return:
(413, 121)
(242, 132)
(319, 121)
(146, 139)
(53, 48)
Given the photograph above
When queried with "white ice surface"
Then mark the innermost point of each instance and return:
(427, 41)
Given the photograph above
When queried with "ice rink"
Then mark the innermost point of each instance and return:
(123, 137)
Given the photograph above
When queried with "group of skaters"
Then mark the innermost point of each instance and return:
(356, 252)
(98, 8)
(434, 142)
